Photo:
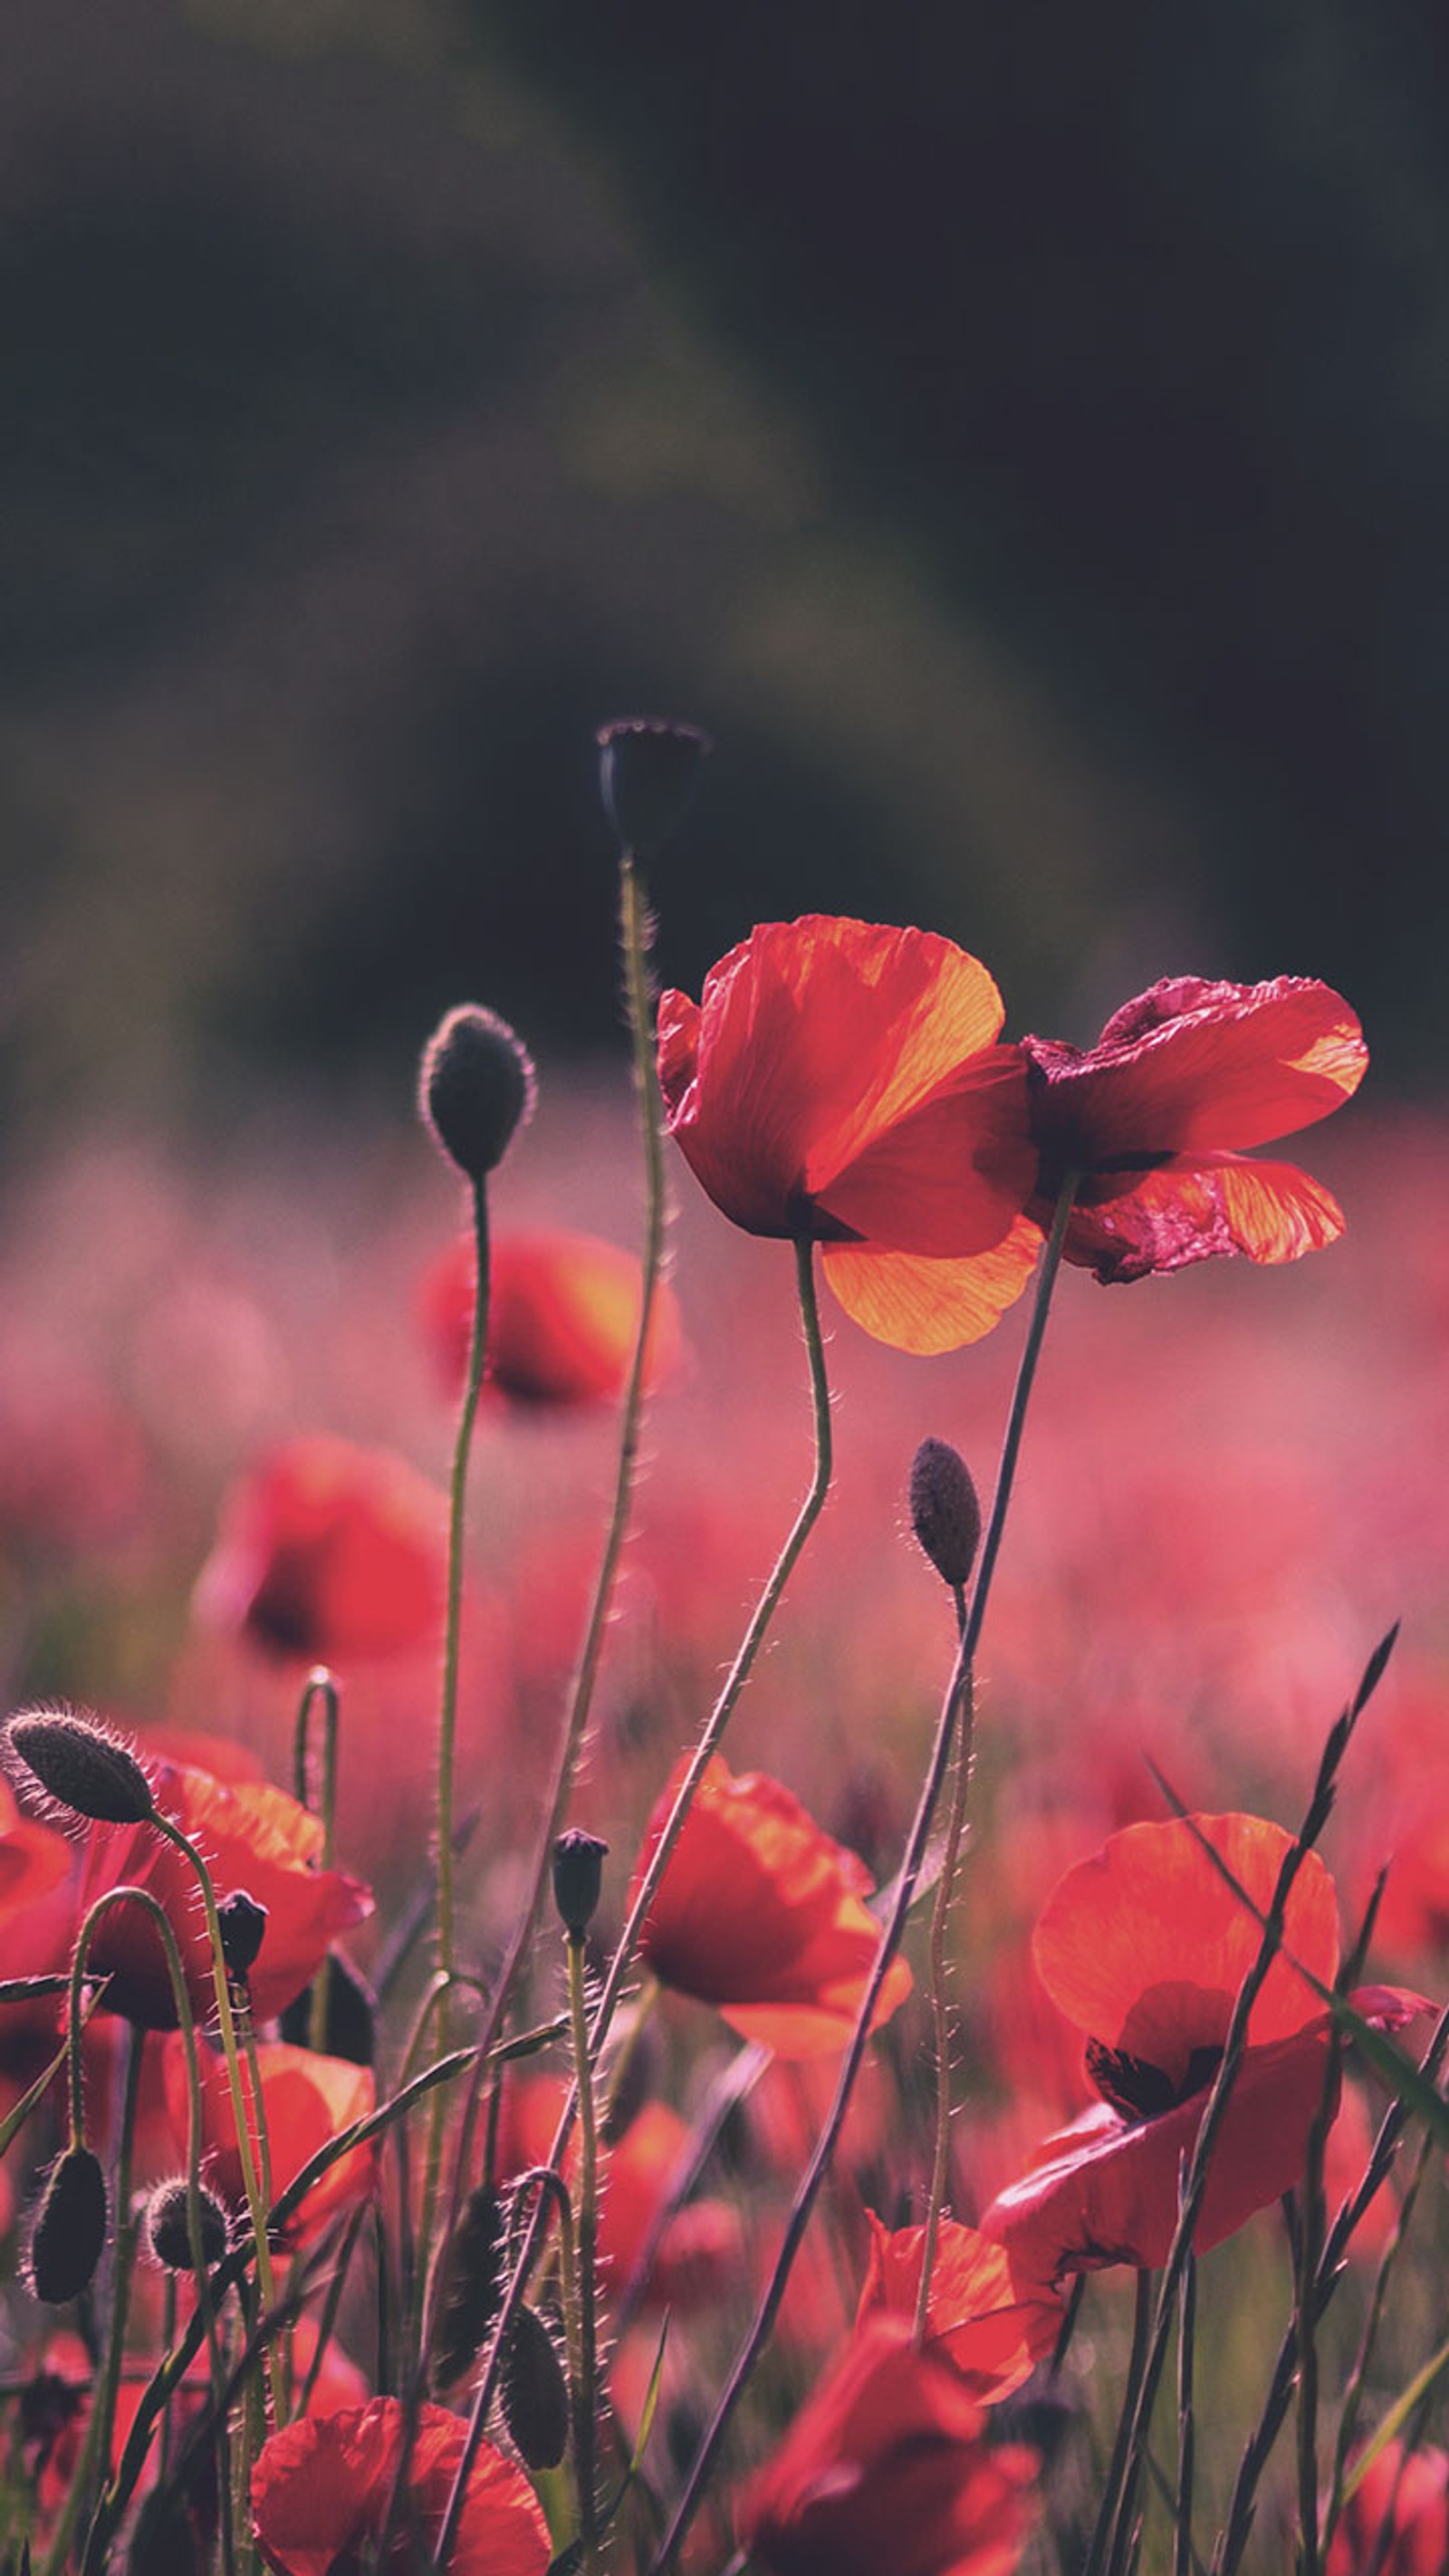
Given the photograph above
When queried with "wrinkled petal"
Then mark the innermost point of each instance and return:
(321, 2489)
(926, 1306)
(981, 2316)
(1190, 1211)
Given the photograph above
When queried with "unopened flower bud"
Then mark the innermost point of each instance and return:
(535, 2392)
(68, 2232)
(945, 1513)
(648, 771)
(243, 1927)
(82, 1766)
(477, 1088)
(168, 2230)
(578, 1872)
(470, 2285)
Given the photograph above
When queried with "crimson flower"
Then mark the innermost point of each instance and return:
(1144, 1948)
(308, 2099)
(760, 1914)
(992, 2326)
(563, 1311)
(1157, 1117)
(1396, 2523)
(321, 2490)
(330, 1552)
(253, 1838)
(840, 1082)
(888, 2466)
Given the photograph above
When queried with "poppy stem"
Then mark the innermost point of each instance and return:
(452, 1633)
(583, 2391)
(1184, 2557)
(707, 1745)
(940, 2001)
(320, 1685)
(954, 1709)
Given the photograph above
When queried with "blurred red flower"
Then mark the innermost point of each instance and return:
(1396, 2523)
(329, 1552)
(888, 2467)
(308, 2099)
(321, 2490)
(254, 1838)
(1144, 1948)
(563, 1310)
(34, 1858)
(840, 1082)
(992, 2326)
(760, 1914)
(1158, 1114)
(701, 2248)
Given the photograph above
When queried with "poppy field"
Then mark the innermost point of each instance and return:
(701, 1867)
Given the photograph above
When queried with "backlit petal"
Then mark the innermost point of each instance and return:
(921, 1305)
(946, 1178)
(1191, 1210)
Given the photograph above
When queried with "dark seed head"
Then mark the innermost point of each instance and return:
(535, 2392)
(168, 2232)
(648, 772)
(476, 1089)
(243, 1929)
(68, 2232)
(578, 1875)
(81, 1766)
(945, 1513)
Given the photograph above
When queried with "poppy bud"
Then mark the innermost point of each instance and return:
(945, 1513)
(351, 2021)
(477, 1088)
(535, 2392)
(82, 1767)
(243, 1927)
(68, 2234)
(648, 770)
(168, 2231)
(578, 1870)
(470, 2285)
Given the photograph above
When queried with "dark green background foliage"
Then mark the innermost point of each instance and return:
(1017, 434)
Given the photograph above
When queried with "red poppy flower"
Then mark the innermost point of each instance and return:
(888, 2467)
(1145, 1948)
(701, 2249)
(33, 1859)
(321, 2490)
(992, 2326)
(563, 1311)
(253, 1838)
(308, 2099)
(841, 1082)
(1396, 2523)
(329, 1552)
(760, 1914)
(1158, 1114)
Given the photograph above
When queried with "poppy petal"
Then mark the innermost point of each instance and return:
(981, 2317)
(1190, 1211)
(925, 1306)
(945, 1178)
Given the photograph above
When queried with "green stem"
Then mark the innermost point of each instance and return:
(453, 1629)
(585, 2373)
(320, 1685)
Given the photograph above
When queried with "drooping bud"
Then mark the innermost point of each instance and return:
(648, 772)
(578, 1874)
(945, 1513)
(168, 2231)
(81, 1766)
(535, 2392)
(350, 2028)
(471, 2286)
(68, 2232)
(243, 1928)
(476, 1089)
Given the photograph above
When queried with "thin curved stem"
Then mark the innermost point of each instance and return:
(940, 2001)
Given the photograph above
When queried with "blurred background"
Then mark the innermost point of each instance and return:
(1016, 435)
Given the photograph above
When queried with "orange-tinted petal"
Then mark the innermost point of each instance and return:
(991, 2326)
(946, 1177)
(1144, 1946)
(1194, 1210)
(925, 1306)
(563, 1312)
(321, 2490)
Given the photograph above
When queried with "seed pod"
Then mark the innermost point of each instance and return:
(535, 2392)
(82, 1766)
(470, 2286)
(945, 1513)
(578, 1871)
(168, 2232)
(648, 772)
(68, 2232)
(351, 2030)
(477, 1088)
(243, 1927)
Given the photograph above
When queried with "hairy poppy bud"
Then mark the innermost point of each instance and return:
(648, 771)
(243, 1927)
(578, 1870)
(168, 2231)
(470, 2285)
(68, 2233)
(82, 1766)
(477, 1087)
(945, 1513)
(535, 2392)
